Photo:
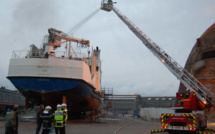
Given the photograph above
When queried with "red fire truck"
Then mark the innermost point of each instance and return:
(189, 116)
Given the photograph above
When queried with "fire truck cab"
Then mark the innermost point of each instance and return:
(189, 115)
(184, 121)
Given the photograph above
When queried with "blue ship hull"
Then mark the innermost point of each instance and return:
(80, 96)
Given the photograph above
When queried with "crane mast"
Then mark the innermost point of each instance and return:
(189, 81)
(61, 35)
(55, 37)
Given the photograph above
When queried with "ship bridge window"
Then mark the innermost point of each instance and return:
(208, 55)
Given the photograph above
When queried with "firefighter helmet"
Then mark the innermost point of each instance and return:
(64, 105)
(58, 106)
(48, 108)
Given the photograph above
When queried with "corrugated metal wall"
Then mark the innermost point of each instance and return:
(9, 97)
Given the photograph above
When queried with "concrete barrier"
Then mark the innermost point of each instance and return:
(153, 114)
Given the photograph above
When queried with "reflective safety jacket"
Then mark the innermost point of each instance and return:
(66, 117)
(59, 118)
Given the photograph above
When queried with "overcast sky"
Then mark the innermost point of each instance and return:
(127, 65)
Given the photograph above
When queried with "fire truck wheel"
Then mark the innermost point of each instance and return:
(171, 132)
(203, 128)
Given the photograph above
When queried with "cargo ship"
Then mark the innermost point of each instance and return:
(47, 76)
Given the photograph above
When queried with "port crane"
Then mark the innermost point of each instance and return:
(200, 97)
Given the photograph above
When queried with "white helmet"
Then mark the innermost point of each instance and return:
(48, 108)
(58, 106)
(64, 105)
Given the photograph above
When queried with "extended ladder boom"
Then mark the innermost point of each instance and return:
(203, 93)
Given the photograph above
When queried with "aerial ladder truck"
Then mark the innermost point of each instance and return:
(189, 115)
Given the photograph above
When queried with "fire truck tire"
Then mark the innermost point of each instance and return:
(181, 132)
(203, 128)
(171, 132)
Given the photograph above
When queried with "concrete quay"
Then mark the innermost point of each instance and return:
(103, 126)
(126, 125)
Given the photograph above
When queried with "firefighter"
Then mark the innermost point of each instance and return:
(59, 118)
(64, 109)
(8, 110)
(181, 100)
(110, 1)
(187, 93)
(12, 121)
(16, 107)
(38, 119)
(47, 118)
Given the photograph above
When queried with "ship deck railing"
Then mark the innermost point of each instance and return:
(18, 54)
